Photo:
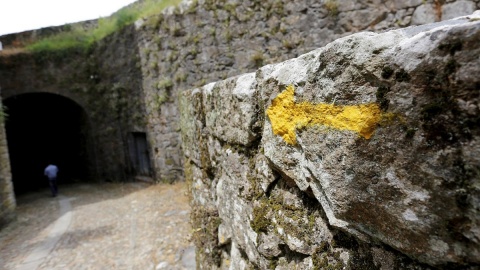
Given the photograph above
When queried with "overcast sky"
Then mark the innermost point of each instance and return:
(21, 15)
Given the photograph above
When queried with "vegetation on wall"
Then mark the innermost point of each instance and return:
(78, 37)
(332, 7)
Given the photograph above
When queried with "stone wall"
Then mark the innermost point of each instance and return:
(208, 40)
(189, 46)
(7, 199)
(363, 154)
(105, 81)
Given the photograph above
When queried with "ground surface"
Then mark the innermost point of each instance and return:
(100, 226)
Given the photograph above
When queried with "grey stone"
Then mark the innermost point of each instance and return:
(410, 11)
(231, 182)
(300, 264)
(237, 261)
(395, 188)
(239, 40)
(224, 234)
(222, 146)
(269, 245)
(424, 14)
(7, 196)
(264, 173)
(162, 265)
(290, 213)
(344, 6)
(385, 23)
(406, 21)
(327, 160)
(400, 14)
(223, 15)
(188, 258)
(362, 19)
(192, 122)
(457, 9)
(402, 4)
(237, 108)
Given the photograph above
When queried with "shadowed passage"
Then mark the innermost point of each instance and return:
(44, 128)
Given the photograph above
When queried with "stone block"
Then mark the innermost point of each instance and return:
(192, 123)
(370, 141)
(402, 4)
(231, 110)
(7, 197)
(424, 14)
(232, 180)
(393, 174)
(457, 9)
(395, 186)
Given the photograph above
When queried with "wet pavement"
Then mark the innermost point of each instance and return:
(100, 226)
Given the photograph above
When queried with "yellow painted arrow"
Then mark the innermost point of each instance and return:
(286, 116)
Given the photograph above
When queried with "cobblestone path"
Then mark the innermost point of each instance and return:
(100, 226)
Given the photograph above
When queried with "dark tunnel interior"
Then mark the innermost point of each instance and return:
(45, 128)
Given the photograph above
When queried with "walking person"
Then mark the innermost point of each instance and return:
(51, 172)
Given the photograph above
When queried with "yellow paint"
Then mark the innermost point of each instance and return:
(286, 116)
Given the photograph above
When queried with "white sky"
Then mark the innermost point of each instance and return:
(21, 15)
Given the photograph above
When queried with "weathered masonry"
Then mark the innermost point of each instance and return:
(209, 40)
(124, 88)
(363, 154)
(7, 199)
(98, 93)
(118, 113)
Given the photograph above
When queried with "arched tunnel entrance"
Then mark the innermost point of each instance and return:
(45, 128)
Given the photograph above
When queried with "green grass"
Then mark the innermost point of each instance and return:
(77, 37)
(332, 7)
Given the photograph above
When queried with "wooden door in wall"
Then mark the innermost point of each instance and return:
(139, 154)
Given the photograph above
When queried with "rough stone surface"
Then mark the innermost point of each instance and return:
(456, 9)
(186, 47)
(7, 198)
(210, 40)
(424, 14)
(237, 108)
(130, 81)
(405, 198)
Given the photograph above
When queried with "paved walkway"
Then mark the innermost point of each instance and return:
(100, 226)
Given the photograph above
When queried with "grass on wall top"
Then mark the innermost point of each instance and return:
(78, 37)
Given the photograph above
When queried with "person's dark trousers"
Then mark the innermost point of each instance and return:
(53, 186)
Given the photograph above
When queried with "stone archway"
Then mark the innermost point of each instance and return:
(46, 128)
